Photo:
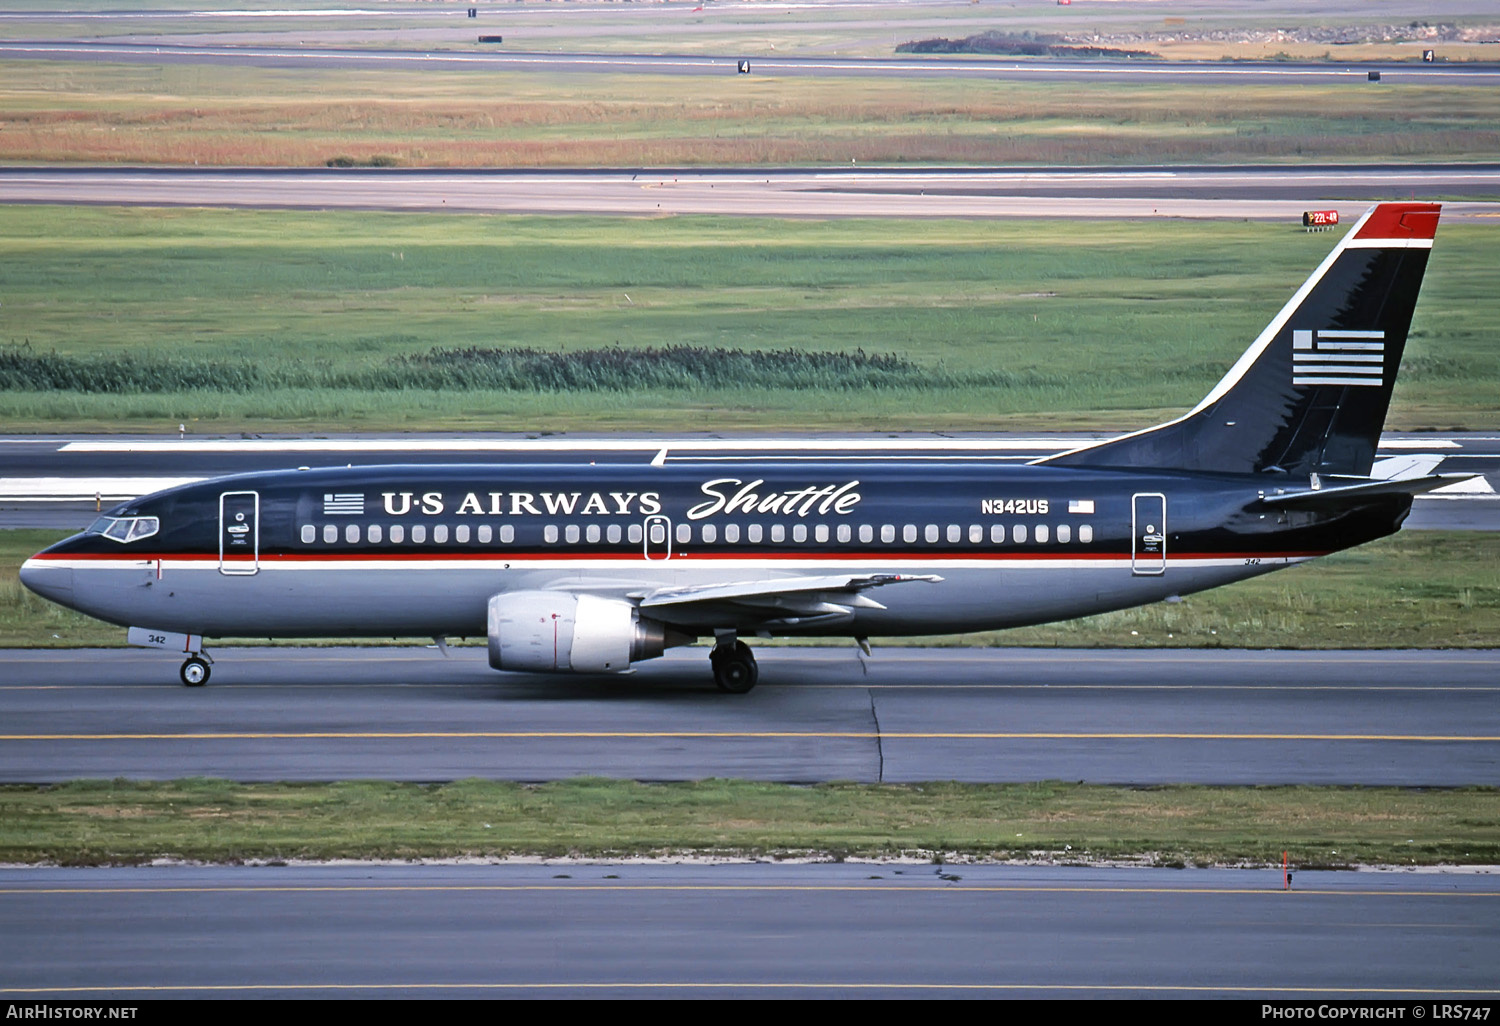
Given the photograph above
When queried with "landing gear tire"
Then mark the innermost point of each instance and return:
(734, 668)
(194, 672)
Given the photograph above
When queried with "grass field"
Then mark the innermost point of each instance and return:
(103, 822)
(1420, 589)
(202, 114)
(1000, 323)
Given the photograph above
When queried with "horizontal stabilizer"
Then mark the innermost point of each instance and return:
(1405, 466)
(1354, 494)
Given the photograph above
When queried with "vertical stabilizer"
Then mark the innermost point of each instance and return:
(1310, 394)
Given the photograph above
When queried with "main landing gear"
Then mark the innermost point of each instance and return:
(195, 670)
(734, 666)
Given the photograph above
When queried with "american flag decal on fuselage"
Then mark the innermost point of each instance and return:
(1331, 357)
(345, 504)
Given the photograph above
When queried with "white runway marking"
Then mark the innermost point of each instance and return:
(652, 446)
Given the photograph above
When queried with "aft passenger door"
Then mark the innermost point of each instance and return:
(1148, 549)
(239, 533)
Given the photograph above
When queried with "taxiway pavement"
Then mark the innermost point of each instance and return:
(1238, 191)
(744, 930)
(1399, 718)
(1356, 73)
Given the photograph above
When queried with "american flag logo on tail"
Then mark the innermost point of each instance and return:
(348, 504)
(1331, 357)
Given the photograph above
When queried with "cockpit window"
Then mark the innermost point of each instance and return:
(125, 529)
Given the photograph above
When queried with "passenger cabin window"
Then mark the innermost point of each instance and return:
(710, 534)
(309, 534)
(684, 533)
(591, 534)
(612, 534)
(955, 534)
(1018, 534)
(1064, 534)
(753, 532)
(731, 533)
(1041, 533)
(549, 534)
(398, 534)
(440, 534)
(820, 533)
(887, 533)
(485, 534)
(330, 534)
(507, 534)
(418, 534)
(351, 534)
(866, 533)
(1086, 533)
(931, 534)
(634, 534)
(799, 532)
(571, 534)
(778, 533)
(844, 534)
(976, 534)
(909, 533)
(997, 534)
(372, 534)
(461, 534)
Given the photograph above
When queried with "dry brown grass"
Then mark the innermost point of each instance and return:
(141, 115)
(146, 147)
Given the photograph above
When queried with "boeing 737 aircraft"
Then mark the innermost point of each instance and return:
(591, 569)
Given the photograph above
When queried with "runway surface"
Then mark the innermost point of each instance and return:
(1401, 718)
(1267, 193)
(845, 930)
(1001, 69)
(52, 482)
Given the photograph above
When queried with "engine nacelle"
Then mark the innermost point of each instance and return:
(563, 632)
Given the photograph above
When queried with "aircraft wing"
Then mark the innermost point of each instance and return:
(766, 604)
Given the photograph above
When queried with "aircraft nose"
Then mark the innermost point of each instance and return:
(50, 582)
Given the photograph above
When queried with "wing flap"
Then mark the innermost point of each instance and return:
(780, 602)
(777, 588)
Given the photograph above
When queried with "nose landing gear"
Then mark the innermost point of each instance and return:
(195, 670)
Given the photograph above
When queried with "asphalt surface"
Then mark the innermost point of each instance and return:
(51, 482)
(928, 66)
(1404, 718)
(1265, 193)
(757, 930)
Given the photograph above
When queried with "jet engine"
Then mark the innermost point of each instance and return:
(562, 632)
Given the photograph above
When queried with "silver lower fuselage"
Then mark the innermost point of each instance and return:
(375, 598)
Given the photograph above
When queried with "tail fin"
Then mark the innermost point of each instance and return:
(1310, 395)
